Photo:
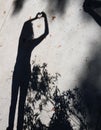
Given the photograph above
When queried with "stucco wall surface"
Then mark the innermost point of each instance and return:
(66, 49)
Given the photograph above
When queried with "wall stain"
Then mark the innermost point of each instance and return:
(53, 17)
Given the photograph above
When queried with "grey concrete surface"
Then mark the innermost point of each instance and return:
(72, 36)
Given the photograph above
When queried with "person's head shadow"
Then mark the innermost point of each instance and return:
(27, 30)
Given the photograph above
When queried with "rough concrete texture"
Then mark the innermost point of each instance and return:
(66, 49)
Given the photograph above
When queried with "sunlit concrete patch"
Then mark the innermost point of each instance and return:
(65, 50)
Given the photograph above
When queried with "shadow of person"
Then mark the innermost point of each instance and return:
(89, 6)
(22, 69)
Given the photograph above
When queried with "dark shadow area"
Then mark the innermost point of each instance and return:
(22, 69)
(90, 7)
(54, 6)
(18, 5)
(85, 101)
(57, 6)
(91, 91)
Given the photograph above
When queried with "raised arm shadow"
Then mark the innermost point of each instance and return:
(43, 36)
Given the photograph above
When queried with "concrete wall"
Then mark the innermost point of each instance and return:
(72, 35)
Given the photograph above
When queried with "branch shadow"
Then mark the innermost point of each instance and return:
(81, 103)
(43, 85)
